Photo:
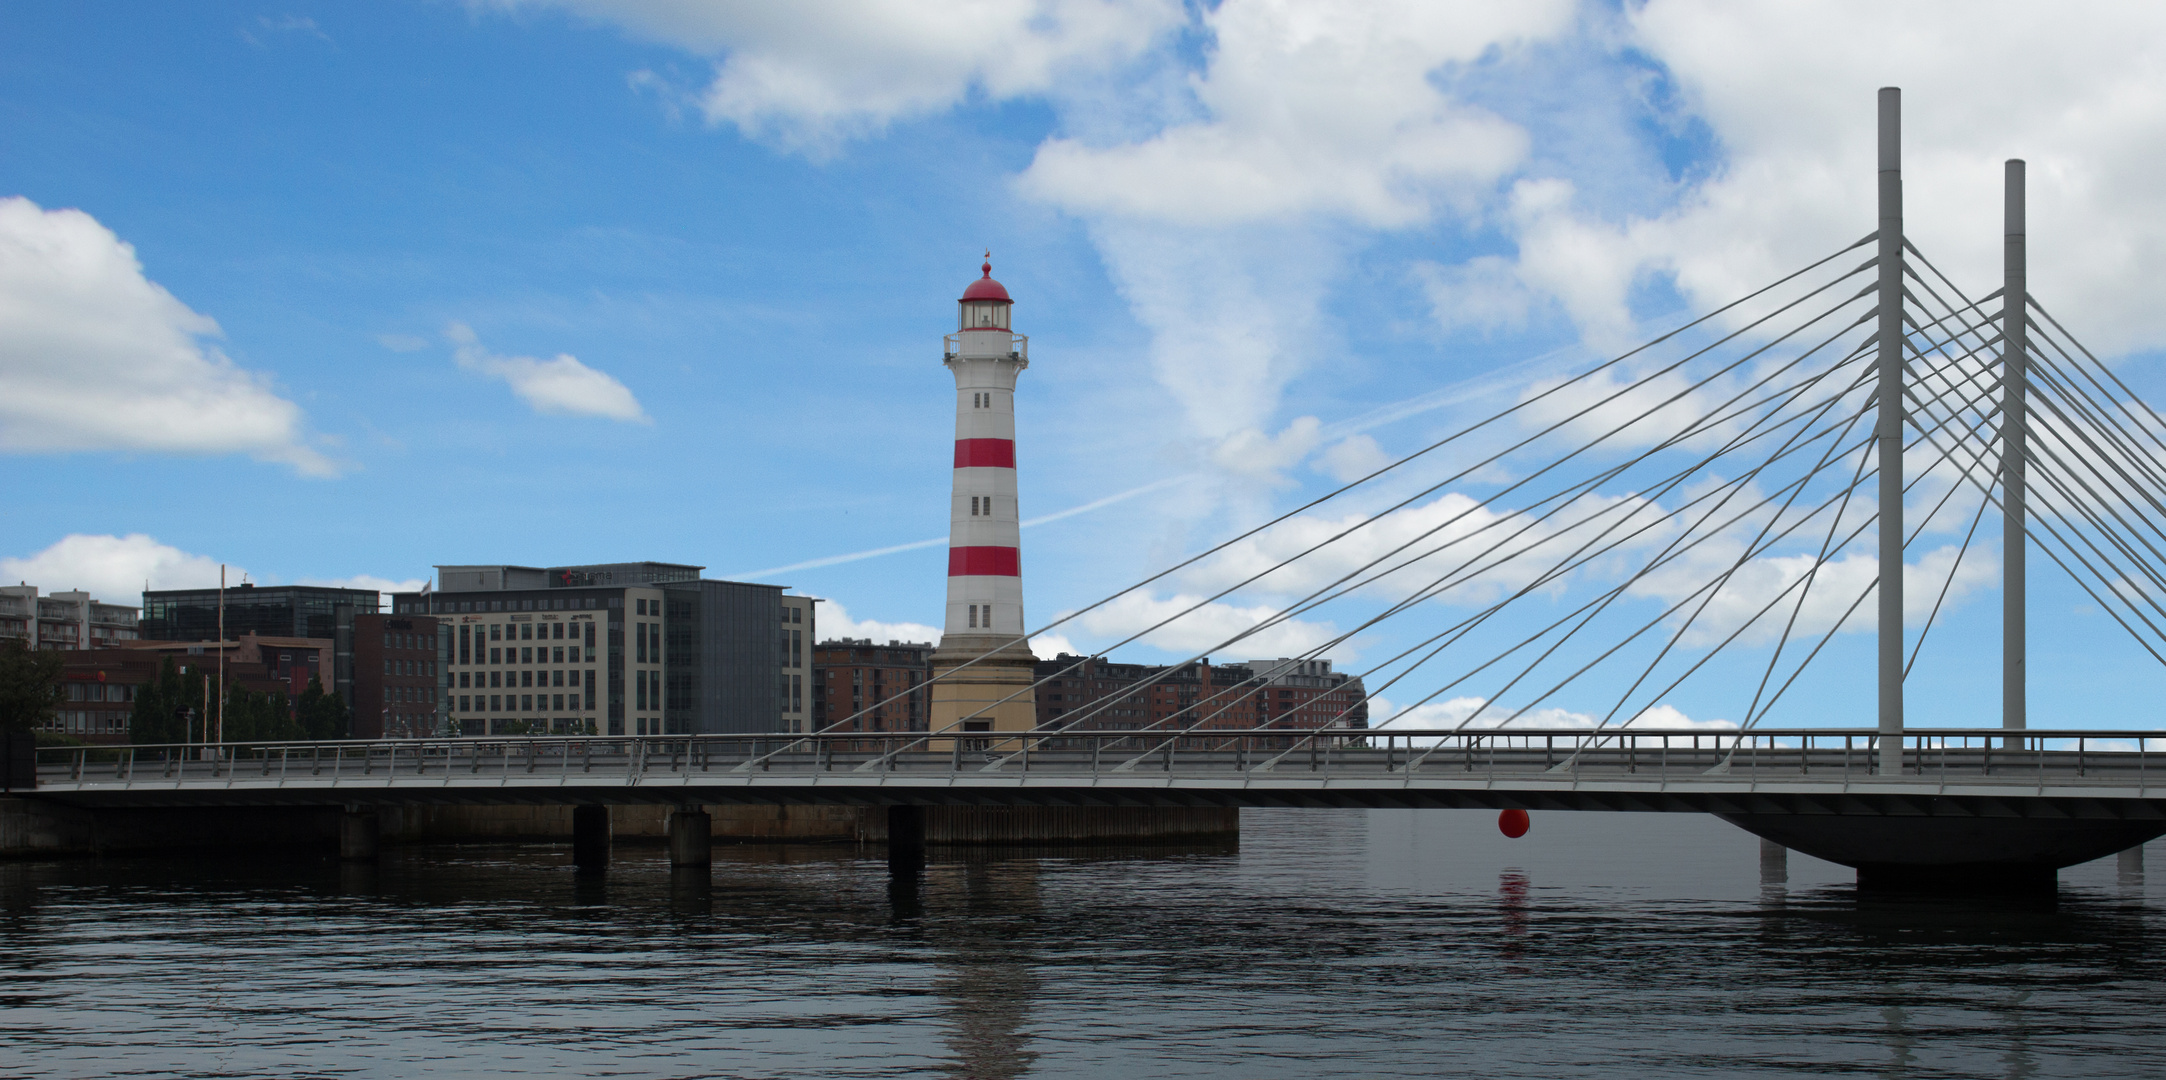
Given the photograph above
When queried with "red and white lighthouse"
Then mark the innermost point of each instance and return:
(985, 567)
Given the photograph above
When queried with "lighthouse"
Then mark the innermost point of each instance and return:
(985, 567)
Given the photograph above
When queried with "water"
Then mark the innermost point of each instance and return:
(1331, 943)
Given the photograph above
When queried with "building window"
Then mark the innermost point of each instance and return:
(496, 704)
(575, 676)
(526, 703)
(640, 605)
(557, 679)
(557, 702)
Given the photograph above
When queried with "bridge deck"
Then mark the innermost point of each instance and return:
(2114, 775)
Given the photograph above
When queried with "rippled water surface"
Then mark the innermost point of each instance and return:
(1329, 943)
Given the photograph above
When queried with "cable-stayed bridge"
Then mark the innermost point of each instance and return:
(1705, 515)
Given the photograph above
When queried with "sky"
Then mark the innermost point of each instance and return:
(334, 293)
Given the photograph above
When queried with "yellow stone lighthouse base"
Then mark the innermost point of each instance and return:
(993, 694)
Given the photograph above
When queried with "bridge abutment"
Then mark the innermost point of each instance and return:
(905, 839)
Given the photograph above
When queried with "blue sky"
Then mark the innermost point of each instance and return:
(1242, 237)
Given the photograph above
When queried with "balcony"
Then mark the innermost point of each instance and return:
(985, 344)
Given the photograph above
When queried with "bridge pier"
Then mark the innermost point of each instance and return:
(691, 837)
(1774, 863)
(358, 834)
(2129, 863)
(590, 838)
(905, 840)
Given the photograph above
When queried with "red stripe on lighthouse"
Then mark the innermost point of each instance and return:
(985, 453)
(984, 561)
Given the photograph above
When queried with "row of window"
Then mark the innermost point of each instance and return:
(410, 694)
(525, 702)
(473, 639)
(981, 611)
(74, 722)
(981, 506)
(409, 667)
(793, 648)
(409, 641)
(648, 642)
(569, 677)
(537, 654)
(791, 692)
(477, 606)
(100, 692)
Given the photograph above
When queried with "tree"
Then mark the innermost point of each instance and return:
(29, 686)
(322, 715)
(165, 709)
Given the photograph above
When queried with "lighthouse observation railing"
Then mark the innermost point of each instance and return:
(2105, 758)
(1018, 346)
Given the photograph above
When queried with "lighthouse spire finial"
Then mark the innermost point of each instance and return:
(988, 267)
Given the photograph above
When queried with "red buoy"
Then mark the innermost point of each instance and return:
(1513, 823)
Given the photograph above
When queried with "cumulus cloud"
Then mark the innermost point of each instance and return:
(1474, 712)
(558, 387)
(1352, 458)
(1787, 94)
(832, 621)
(1206, 628)
(115, 569)
(810, 76)
(96, 356)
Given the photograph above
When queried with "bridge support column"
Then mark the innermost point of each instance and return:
(905, 839)
(590, 838)
(357, 834)
(691, 837)
(1889, 432)
(2130, 863)
(1774, 862)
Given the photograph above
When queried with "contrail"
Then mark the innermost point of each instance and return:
(1479, 386)
(914, 545)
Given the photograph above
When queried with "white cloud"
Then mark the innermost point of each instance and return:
(809, 76)
(115, 569)
(402, 342)
(1311, 108)
(1207, 628)
(559, 387)
(1474, 712)
(95, 356)
(1258, 456)
(833, 621)
(1047, 646)
(1787, 93)
(1352, 458)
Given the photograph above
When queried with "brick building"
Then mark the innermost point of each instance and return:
(852, 680)
(398, 677)
(1101, 695)
(98, 687)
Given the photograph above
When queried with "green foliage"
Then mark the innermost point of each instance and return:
(29, 685)
(322, 714)
(256, 717)
(166, 709)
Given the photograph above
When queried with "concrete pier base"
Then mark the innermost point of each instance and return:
(691, 837)
(905, 839)
(2130, 863)
(1774, 863)
(357, 835)
(590, 838)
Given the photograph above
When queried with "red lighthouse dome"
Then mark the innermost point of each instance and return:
(985, 288)
(985, 303)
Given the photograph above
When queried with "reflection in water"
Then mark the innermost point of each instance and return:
(1332, 944)
(985, 963)
(1512, 903)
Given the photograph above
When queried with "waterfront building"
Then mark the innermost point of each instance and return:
(287, 662)
(64, 620)
(1102, 695)
(399, 677)
(984, 619)
(854, 681)
(268, 611)
(643, 648)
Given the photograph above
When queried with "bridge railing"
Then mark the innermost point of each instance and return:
(2104, 755)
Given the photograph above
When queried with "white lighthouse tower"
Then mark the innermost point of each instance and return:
(985, 571)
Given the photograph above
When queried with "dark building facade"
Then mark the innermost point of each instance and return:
(1101, 695)
(282, 611)
(640, 648)
(398, 677)
(853, 680)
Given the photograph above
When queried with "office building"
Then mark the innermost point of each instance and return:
(270, 611)
(399, 676)
(643, 648)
